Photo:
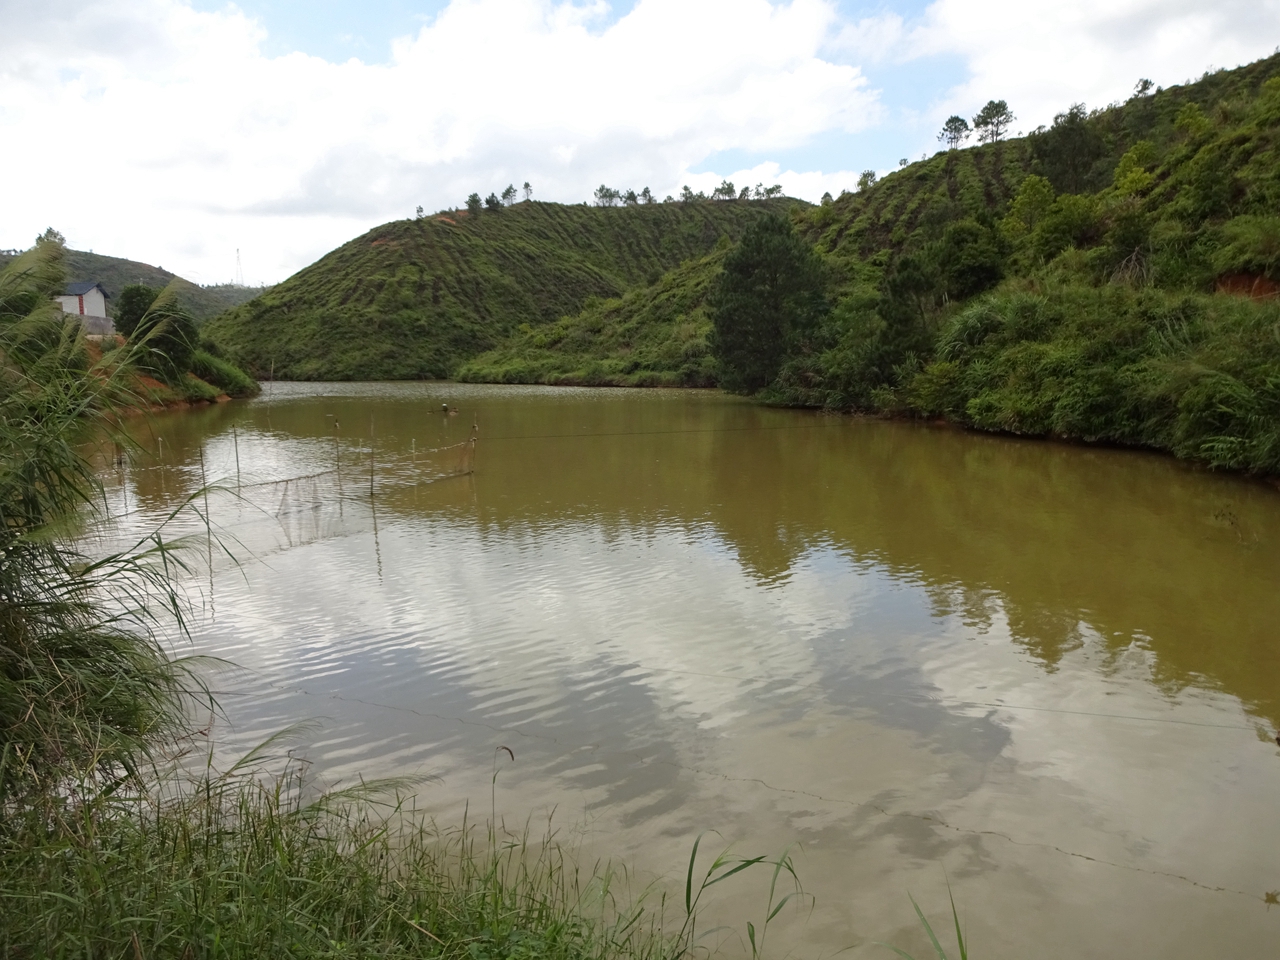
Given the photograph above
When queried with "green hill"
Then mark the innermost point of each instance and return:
(1112, 277)
(415, 298)
(115, 273)
(1083, 282)
(652, 336)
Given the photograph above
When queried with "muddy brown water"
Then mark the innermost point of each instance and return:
(1046, 675)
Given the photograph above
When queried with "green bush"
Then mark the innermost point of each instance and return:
(1198, 376)
(233, 381)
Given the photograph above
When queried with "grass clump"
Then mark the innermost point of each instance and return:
(226, 376)
(242, 866)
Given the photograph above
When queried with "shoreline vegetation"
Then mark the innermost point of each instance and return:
(1113, 277)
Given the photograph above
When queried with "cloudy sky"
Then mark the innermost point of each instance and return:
(178, 131)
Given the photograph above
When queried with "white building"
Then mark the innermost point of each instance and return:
(89, 301)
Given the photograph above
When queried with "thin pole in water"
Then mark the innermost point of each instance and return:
(337, 466)
(370, 456)
(208, 529)
(235, 439)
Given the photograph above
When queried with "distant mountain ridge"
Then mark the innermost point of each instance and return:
(115, 273)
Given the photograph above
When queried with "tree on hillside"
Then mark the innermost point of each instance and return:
(766, 304)
(474, 204)
(528, 190)
(1034, 198)
(1068, 150)
(419, 214)
(51, 236)
(827, 199)
(954, 132)
(726, 191)
(1143, 87)
(992, 121)
(135, 300)
(686, 195)
(866, 179)
(744, 193)
(492, 202)
(646, 195)
(606, 196)
(630, 198)
(509, 194)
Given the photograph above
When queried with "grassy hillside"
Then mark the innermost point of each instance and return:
(1084, 282)
(415, 298)
(114, 273)
(1089, 281)
(1174, 142)
(652, 336)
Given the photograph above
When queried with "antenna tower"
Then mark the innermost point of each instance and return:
(239, 270)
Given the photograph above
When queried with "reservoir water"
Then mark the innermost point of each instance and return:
(1045, 677)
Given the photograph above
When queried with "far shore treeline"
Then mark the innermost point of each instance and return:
(1109, 277)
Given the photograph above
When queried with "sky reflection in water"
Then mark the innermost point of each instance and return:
(1050, 670)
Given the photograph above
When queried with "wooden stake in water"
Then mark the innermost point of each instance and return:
(208, 529)
(373, 504)
(337, 466)
(235, 439)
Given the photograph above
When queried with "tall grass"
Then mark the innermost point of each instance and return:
(243, 865)
(84, 683)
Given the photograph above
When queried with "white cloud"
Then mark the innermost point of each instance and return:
(162, 133)
(1042, 57)
(148, 129)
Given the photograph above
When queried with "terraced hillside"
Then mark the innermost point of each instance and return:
(415, 298)
(654, 336)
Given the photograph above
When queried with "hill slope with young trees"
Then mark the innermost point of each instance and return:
(116, 273)
(1113, 277)
(414, 298)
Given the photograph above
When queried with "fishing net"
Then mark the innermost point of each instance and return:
(302, 509)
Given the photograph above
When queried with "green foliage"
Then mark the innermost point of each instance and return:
(766, 305)
(1198, 376)
(1071, 151)
(131, 306)
(654, 336)
(1250, 244)
(970, 259)
(167, 338)
(954, 132)
(84, 686)
(416, 298)
(239, 865)
(222, 374)
(1031, 205)
(992, 121)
